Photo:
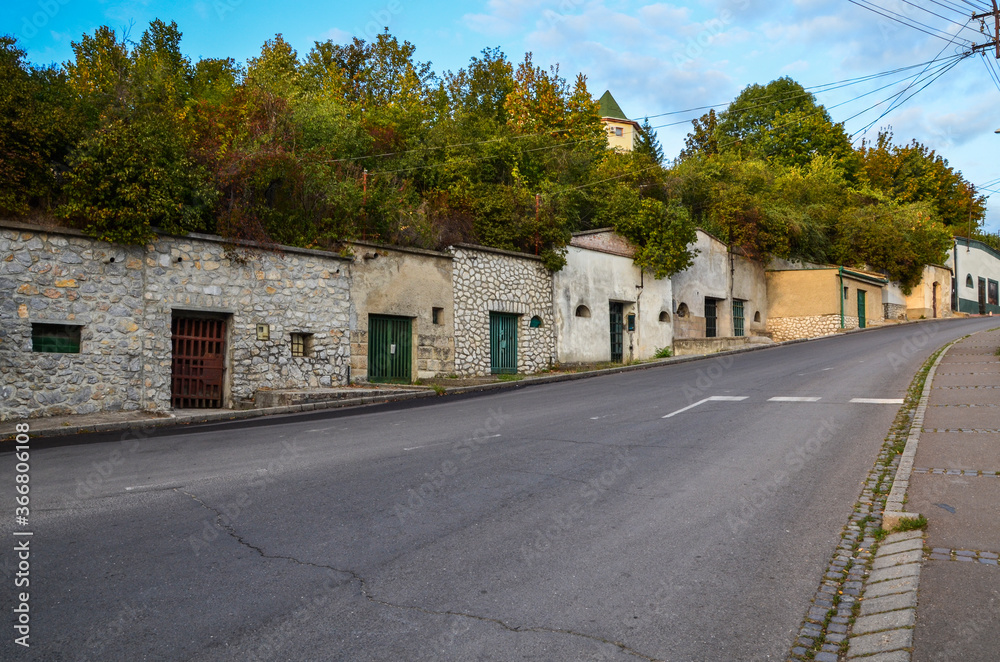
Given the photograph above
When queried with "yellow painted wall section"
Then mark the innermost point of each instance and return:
(804, 293)
(624, 142)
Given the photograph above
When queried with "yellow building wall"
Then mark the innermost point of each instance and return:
(624, 142)
(803, 293)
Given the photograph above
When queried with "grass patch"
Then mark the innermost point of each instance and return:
(440, 390)
(910, 524)
(880, 534)
(509, 378)
(666, 353)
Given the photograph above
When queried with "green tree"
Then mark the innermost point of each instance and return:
(782, 122)
(648, 143)
(913, 174)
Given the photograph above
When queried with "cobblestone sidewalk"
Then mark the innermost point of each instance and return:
(915, 595)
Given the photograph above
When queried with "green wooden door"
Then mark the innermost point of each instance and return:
(389, 349)
(503, 344)
(861, 309)
(617, 342)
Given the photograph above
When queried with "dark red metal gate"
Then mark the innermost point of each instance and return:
(199, 349)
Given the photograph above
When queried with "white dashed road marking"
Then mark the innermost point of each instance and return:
(782, 398)
(877, 401)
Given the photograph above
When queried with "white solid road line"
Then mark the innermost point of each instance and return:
(714, 398)
(782, 398)
(877, 401)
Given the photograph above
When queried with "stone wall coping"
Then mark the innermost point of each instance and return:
(401, 249)
(498, 251)
(212, 238)
(597, 231)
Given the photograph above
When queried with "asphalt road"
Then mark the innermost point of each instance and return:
(569, 521)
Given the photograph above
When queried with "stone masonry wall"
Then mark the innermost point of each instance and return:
(297, 292)
(894, 311)
(793, 328)
(488, 280)
(57, 279)
(123, 299)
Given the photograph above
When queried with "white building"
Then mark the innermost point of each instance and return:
(607, 308)
(977, 273)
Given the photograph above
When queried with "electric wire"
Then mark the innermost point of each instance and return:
(875, 9)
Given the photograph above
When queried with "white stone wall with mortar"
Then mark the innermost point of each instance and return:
(488, 280)
(53, 278)
(123, 298)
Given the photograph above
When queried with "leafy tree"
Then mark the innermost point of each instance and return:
(38, 124)
(782, 122)
(896, 239)
(913, 173)
(132, 175)
(703, 139)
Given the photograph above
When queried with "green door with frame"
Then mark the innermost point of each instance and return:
(861, 309)
(503, 344)
(390, 342)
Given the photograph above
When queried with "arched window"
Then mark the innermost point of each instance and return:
(756, 317)
(536, 322)
(582, 311)
(664, 316)
(682, 310)
(968, 281)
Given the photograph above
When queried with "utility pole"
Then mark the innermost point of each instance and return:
(995, 15)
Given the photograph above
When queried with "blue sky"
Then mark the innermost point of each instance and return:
(656, 58)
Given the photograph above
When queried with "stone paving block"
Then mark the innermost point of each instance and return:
(897, 559)
(971, 519)
(895, 656)
(894, 538)
(880, 642)
(890, 587)
(888, 603)
(901, 546)
(957, 616)
(886, 621)
(958, 450)
(826, 657)
(895, 572)
(940, 557)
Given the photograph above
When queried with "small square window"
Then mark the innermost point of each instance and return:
(845, 293)
(55, 338)
(302, 344)
(436, 315)
(618, 131)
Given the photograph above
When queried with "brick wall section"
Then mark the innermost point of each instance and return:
(124, 308)
(489, 280)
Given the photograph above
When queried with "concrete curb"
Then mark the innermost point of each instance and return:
(39, 431)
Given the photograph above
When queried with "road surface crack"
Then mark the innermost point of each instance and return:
(367, 594)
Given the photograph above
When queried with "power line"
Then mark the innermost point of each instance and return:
(894, 104)
(933, 32)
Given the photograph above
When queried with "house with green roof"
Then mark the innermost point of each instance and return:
(622, 132)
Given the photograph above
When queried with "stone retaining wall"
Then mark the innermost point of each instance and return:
(488, 280)
(793, 328)
(123, 299)
(894, 311)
